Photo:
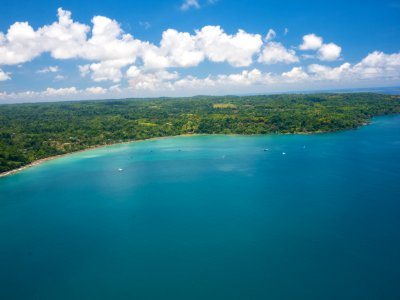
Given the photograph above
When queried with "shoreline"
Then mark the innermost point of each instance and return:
(43, 160)
(46, 159)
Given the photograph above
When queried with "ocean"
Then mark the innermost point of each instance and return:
(209, 217)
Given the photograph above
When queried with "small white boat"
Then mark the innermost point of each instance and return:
(283, 153)
(120, 170)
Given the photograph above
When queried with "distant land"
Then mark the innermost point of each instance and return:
(388, 90)
(32, 132)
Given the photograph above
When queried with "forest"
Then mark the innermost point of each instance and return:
(29, 132)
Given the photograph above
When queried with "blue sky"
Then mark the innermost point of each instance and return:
(60, 50)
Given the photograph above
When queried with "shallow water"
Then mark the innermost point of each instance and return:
(209, 217)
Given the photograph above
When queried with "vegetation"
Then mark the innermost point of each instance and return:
(29, 132)
(224, 105)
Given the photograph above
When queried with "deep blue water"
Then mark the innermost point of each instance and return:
(209, 217)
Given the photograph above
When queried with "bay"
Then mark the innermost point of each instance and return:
(209, 217)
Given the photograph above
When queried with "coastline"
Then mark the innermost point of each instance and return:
(43, 160)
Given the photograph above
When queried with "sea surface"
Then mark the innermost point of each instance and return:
(209, 217)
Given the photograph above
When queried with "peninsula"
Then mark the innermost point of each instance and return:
(31, 133)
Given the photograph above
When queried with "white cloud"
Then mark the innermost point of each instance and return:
(321, 72)
(104, 70)
(115, 88)
(379, 64)
(326, 52)
(19, 45)
(66, 39)
(247, 80)
(181, 49)
(275, 52)
(177, 49)
(97, 90)
(84, 70)
(270, 35)
(188, 4)
(132, 72)
(109, 43)
(296, 74)
(246, 77)
(49, 69)
(311, 42)
(380, 59)
(238, 50)
(329, 52)
(4, 75)
(108, 51)
(375, 67)
(172, 83)
(60, 92)
(140, 80)
(59, 77)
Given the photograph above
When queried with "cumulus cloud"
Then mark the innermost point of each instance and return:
(238, 50)
(177, 49)
(97, 90)
(188, 4)
(379, 64)
(167, 81)
(110, 49)
(296, 74)
(4, 75)
(329, 52)
(112, 55)
(59, 77)
(142, 80)
(105, 70)
(51, 94)
(321, 72)
(66, 39)
(275, 52)
(326, 52)
(60, 91)
(182, 49)
(311, 42)
(270, 35)
(49, 69)
(375, 66)
(19, 45)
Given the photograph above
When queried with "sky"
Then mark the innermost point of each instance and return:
(68, 50)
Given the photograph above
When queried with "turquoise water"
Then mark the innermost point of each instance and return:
(209, 217)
